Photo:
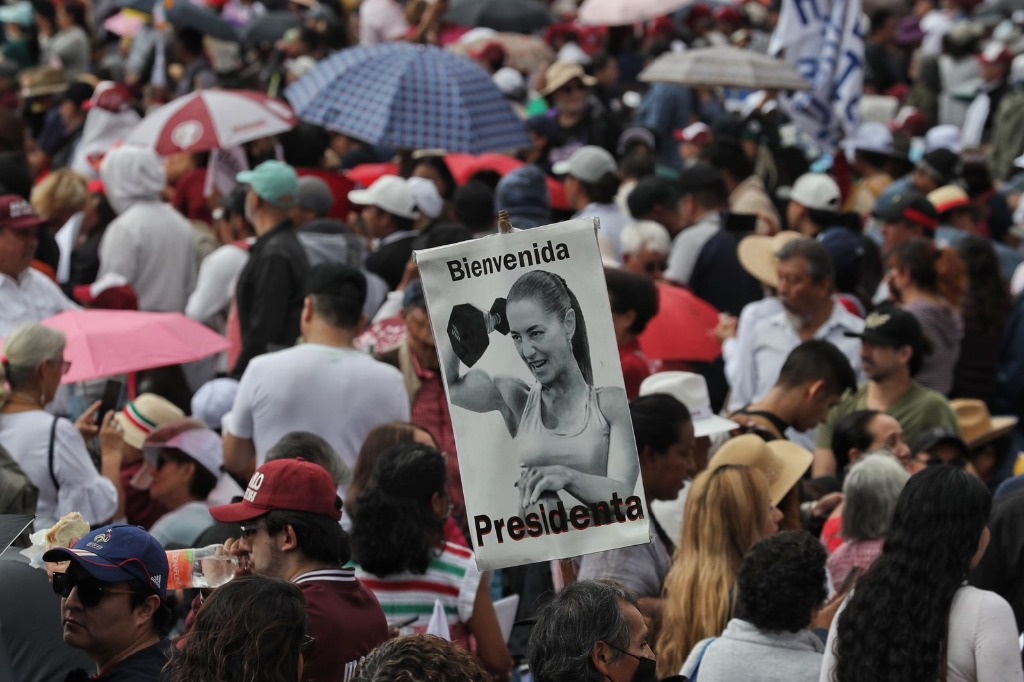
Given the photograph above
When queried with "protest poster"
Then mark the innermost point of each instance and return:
(531, 369)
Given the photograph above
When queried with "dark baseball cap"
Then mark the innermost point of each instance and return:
(284, 485)
(893, 327)
(17, 214)
(118, 553)
(911, 206)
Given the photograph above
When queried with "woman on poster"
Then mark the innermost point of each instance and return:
(571, 435)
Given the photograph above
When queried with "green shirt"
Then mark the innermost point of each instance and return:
(917, 411)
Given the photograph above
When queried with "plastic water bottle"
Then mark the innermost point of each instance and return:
(210, 566)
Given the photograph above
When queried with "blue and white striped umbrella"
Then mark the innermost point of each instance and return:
(405, 96)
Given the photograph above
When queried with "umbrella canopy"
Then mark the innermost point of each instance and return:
(104, 343)
(185, 14)
(683, 329)
(11, 526)
(269, 28)
(211, 119)
(725, 66)
(464, 167)
(524, 53)
(405, 96)
(624, 12)
(515, 16)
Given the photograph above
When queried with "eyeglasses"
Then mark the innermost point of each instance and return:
(249, 531)
(65, 366)
(162, 460)
(90, 590)
(655, 266)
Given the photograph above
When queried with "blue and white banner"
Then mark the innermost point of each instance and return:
(824, 41)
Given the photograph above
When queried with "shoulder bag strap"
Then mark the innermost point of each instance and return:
(49, 454)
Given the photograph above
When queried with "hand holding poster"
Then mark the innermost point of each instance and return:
(547, 455)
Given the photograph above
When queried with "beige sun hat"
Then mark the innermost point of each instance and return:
(42, 80)
(783, 463)
(757, 255)
(977, 425)
(560, 73)
(145, 414)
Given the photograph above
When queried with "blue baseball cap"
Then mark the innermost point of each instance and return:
(119, 553)
(274, 181)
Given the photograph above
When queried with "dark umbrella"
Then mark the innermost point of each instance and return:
(514, 16)
(11, 526)
(269, 28)
(184, 14)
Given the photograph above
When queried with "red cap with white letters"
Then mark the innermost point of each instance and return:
(17, 214)
(284, 485)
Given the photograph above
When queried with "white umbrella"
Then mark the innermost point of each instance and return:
(211, 119)
(623, 12)
(724, 66)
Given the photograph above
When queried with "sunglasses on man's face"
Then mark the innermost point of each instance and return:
(655, 266)
(90, 590)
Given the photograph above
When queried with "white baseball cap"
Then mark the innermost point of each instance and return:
(428, 199)
(691, 390)
(588, 164)
(817, 192)
(390, 194)
(871, 136)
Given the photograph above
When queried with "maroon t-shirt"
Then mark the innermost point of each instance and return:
(345, 619)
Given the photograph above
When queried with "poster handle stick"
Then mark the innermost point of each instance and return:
(568, 570)
(504, 224)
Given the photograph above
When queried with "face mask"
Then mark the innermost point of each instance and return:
(646, 669)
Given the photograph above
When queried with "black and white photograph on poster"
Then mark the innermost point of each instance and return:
(546, 451)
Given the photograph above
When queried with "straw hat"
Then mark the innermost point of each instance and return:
(783, 463)
(977, 426)
(560, 73)
(145, 414)
(42, 80)
(757, 255)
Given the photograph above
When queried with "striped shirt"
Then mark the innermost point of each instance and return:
(451, 578)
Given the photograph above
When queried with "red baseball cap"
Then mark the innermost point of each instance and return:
(285, 485)
(17, 214)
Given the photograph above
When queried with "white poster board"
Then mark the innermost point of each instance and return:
(531, 370)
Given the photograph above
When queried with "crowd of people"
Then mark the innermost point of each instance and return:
(835, 495)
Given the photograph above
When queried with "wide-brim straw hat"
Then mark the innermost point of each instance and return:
(782, 463)
(43, 80)
(757, 255)
(977, 425)
(560, 73)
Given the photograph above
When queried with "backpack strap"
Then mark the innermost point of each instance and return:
(49, 454)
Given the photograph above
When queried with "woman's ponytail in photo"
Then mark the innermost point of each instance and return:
(580, 340)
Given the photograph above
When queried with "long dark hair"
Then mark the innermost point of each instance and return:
(937, 270)
(395, 527)
(895, 625)
(252, 628)
(987, 291)
(554, 295)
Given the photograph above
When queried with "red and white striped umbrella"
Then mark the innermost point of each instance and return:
(211, 119)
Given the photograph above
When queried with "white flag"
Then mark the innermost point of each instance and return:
(824, 41)
(439, 622)
(223, 167)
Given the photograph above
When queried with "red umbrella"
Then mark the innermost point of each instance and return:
(103, 343)
(683, 329)
(463, 167)
(212, 119)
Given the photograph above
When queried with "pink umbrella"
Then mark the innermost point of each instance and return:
(619, 13)
(103, 343)
(212, 119)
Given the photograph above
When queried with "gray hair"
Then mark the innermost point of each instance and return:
(568, 627)
(27, 347)
(311, 448)
(819, 262)
(871, 488)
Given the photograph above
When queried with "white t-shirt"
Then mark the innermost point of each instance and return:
(340, 394)
(381, 21)
(215, 286)
(33, 297)
(26, 435)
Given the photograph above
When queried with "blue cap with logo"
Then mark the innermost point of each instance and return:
(273, 181)
(119, 553)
